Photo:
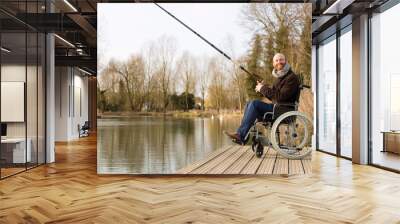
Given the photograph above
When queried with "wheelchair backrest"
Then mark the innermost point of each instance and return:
(86, 125)
(280, 109)
(301, 87)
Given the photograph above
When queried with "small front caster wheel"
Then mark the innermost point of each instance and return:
(260, 150)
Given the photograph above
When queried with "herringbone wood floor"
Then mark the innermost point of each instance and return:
(70, 191)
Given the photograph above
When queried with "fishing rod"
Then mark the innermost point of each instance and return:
(212, 45)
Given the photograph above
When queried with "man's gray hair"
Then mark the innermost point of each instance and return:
(279, 55)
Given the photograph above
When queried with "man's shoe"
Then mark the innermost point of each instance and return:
(234, 136)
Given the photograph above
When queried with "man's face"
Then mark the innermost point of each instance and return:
(279, 62)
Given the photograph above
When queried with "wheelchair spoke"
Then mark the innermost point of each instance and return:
(291, 134)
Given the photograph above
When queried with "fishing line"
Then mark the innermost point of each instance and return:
(209, 43)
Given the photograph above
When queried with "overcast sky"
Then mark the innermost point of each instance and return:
(124, 28)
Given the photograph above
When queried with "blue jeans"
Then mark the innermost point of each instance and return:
(254, 110)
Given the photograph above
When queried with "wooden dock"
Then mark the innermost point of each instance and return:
(242, 160)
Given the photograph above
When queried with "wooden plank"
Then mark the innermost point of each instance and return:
(193, 166)
(307, 166)
(295, 167)
(221, 167)
(206, 167)
(281, 165)
(241, 163)
(267, 165)
(254, 163)
(307, 157)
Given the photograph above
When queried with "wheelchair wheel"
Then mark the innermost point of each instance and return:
(291, 135)
(260, 150)
(254, 143)
(257, 144)
(257, 148)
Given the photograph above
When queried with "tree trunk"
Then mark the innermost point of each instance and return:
(187, 104)
(202, 103)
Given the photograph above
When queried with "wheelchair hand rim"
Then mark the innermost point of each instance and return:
(306, 133)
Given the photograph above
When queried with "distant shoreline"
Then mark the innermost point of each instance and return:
(191, 113)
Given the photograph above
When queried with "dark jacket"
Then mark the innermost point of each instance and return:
(284, 90)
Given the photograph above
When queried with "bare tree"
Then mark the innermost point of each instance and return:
(305, 43)
(239, 82)
(285, 28)
(166, 49)
(187, 69)
(238, 77)
(203, 79)
(107, 80)
(132, 72)
(150, 80)
(216, 89)
(268, 17)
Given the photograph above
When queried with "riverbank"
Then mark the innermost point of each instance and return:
(191, 113)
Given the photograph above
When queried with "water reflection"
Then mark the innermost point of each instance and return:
(158, 145)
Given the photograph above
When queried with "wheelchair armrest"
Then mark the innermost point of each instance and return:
(285, 104)
(268, 113)
(281, 108)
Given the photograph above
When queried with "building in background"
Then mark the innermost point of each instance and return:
(48, 79)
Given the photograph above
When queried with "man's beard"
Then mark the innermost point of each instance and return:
(279, 67)
(280, 72)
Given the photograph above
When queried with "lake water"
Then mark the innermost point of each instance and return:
(158, 145)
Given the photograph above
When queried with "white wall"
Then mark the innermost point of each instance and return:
(62, 81)
(12, 73)
(70, 83)
(80, 94)
(33, 125)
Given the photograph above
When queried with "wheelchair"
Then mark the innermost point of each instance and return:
(288, 131)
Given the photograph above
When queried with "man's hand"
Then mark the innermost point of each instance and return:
(259, 86)
(266, 100)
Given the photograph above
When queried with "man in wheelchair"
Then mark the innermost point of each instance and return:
(285, 90)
